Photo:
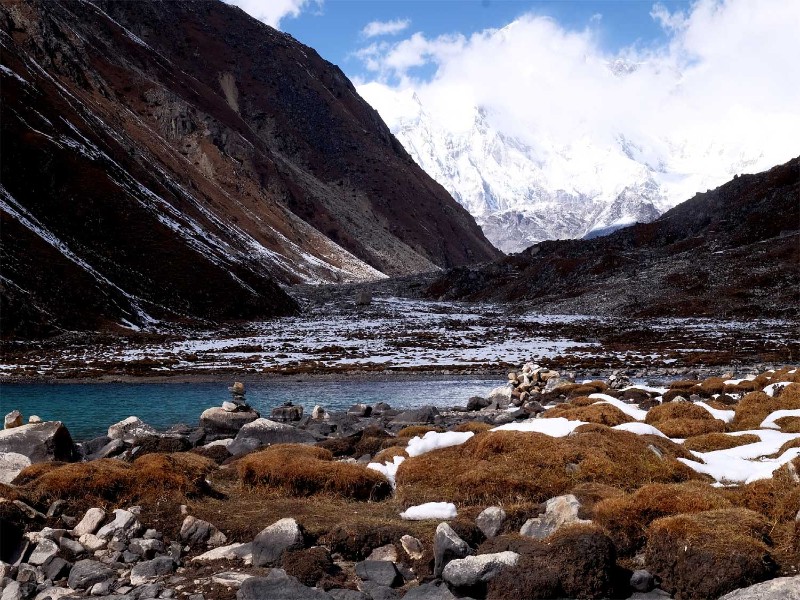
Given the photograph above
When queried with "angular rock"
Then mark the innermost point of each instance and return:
(229, 406)
(90, 522)
(244, 552)
(151, 569)
(71, 548)
(359, 410)
(412, 546)
(92, 543)
(348, 595)
(469, 571)
(418, 416)
(230, 578)
(387, 552)
(146, 548)
(123, 520)
(263, 432)
(278, 585)
(219, 423)
(781, 588)
(40, 442)
(477, 403)
(12, 419)
(491, 520)
(53, 593)
(270, 544)
(86, 573)
(56, 568)
(44, 551)
(642, 581)
(559, 511)
(112, 448)
(380, 572)
(286, 414)
(131, 428)
(380, 592)
(446, 547)
(318, 413)
(11, 464)
(435, 590)
(196, 531)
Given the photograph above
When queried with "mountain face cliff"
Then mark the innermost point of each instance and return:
(175, 159)
(730, 252)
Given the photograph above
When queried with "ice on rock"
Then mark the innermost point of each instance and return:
(433, 440)
(430, 510)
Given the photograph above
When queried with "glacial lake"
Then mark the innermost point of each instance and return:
(88, 409)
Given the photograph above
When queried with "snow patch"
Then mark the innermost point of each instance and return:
(557, 427)
(769, 422)
(722, 415)
(632, 411)
(433, 440)
(388, 469)
(430, 510)
(639, 429)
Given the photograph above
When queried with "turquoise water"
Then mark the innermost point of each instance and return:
(88, 409)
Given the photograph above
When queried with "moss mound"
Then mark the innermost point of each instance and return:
(676, 410)
(300, 470)
(756, 406)
(710, 442)
(687, 428)
(603, 414)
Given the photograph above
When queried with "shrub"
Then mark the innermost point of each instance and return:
(710, 442)
(300, 470)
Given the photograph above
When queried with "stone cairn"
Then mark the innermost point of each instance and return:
(237, 401)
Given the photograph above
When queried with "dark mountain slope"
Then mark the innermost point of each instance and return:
(174, 159)
(733, 251)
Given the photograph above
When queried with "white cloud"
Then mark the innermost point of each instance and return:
(273, 11)
(378, 28)
(724, 88)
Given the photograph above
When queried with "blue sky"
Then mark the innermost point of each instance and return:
(334, 27)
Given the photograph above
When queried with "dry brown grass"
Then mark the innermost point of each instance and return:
(473, 426)
(583, 401)
(603, 414)
(145, 479)
(684, 384)
(509, 467)
(676, 410)
(417, 430)
(388, 454)
(710, 442)
(627, 517)
(687, 428)
(300, 470)
(573, 390)
(756, 406)
(789, 424)
(712, 385)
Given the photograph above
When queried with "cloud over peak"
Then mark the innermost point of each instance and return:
(380, 28)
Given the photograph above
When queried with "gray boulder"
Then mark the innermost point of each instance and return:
(347, 595)
(642, 581)
(359, 410)
(44, 551)
(90, 522)
(263, 432)
(40, 442)
(446, 547)
(131, 428)
(782, 588)
(11, 464)
(469, 571)
(112, 448)
(491, 520)
(286, 414)
(56, 568)
(278, 586)
(424, 415)
(435, 590)
(152, 569)
(381, 572)
(86, 573)
(123, 521)
(270, 544)
(559, 511)
(218, 423)
(12, 419)
(196, 531)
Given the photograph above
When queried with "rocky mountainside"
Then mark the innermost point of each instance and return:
(733, 251)
(180, 159)
(524, 192)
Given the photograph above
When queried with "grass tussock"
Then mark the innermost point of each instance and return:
(687, 428)
(573, 390)
(518, 467)
(711, 442)
(417, 430)
(754, 407)
(676, 410)
(583, 401)
(789, 424)
(388, 454)
(112, 481)
(299, 470)
(707, 554)
(473, 426)
(603, 414)
(626, 518)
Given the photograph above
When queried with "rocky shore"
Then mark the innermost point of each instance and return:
(547, 488)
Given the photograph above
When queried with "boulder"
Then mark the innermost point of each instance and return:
(263, 432)
(112, 448)
(152, 569)
(129, 429)
(230, 579)
(219, 423)
(196, 531)
(781, 588)
(40, 442)
(412, 546)
(11, 464)
(318, 413)
(477, 403)
(146, 548)
(44, 551)
(491, 520)
(471, 570)
(359, 410)
(278, 585)
(500, 397)
(447, 546)
(87, 573)
(434, 590)
(286, 414)
(424, 415)
(642, 581)
(90, 522)
(244, 552)
(56, 568)
(270, 544)
(123, 521)
(381, 572)
(13, 419)
(559, 511)
(347, 595)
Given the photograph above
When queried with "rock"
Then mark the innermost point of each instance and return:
(381, 572)
(35, 419)
(230, 578)
(447, 546)
(151, 569)
(381, 408)
(13, 419)
(559, 511)
(56, 508)
(40, 442)
(278, 585)
(53, 593)
(86, 573)
(318, 413)
(418, 416)
(29, 511)
(359, 410)
(123, 521)
(146, 548)
(244, 552)
(71, 548)
(11, 464)
(195, 531)
(237, 388)
(263, 432)
(363, 297)
(500, 397)
(412, 546)
(90, 522)
(270, 544)
(469, 571)
(56, 568)
(379, 592)
(434, 590)
(92, 543)
(229, 406)
(44, 551)
(148, 590)
(387, 552)
(781, 588)
(642, 581)
(219, 423)
(129, 429)
(286, 414)
(477, 403)
(491, 520)
(18, 591)
(347, 595)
